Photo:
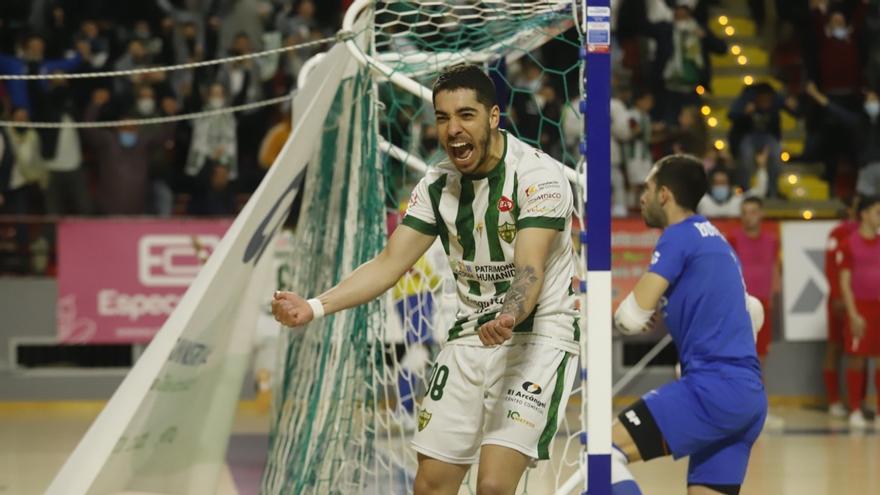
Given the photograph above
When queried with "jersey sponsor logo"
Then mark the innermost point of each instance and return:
(507, 232)
(414, 198)
(488, 272)
(532, 388)
(531, 190)
(536, 188)
(633, 418)
(655, 257)
(483, 306)
(525, 400)
(505, 204)
(424, 419)
(545, 196)
(516, 417)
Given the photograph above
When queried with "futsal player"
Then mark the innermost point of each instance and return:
(860, 291)
(716, 411)
(502, 210)
(836, 310)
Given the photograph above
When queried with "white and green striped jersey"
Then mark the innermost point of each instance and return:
(477, 220)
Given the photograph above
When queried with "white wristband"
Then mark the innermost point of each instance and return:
(317, 307)
(630, 318)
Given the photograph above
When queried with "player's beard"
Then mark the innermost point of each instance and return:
(653, 214)
(484, 148)
(480, 151)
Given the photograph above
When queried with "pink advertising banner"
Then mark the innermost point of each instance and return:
(118, 280)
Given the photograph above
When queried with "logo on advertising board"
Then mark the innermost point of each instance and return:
(126, 292)
(173, 260)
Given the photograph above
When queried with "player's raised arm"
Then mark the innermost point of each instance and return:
(531, 251)
(368, 281)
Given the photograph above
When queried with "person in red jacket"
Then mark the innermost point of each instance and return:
(836, 311)
(860, 291)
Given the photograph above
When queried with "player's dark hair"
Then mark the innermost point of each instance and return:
(866, 202)
(685, 176)
(466, 76)
(754, 199)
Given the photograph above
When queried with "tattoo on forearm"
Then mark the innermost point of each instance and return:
(523, 284)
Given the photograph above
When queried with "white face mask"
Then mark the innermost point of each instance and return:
(215, 103)
(146, 106)
(840, 32)
(872, 108)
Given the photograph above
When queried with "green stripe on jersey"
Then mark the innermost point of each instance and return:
(527, 324)
(474, 288)
(496, 190)
(515, 195)
(435, 190)
(541, 222)
(464, 220)
(420, 225)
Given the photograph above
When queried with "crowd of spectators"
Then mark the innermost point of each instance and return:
(825, 52)
(197, 167)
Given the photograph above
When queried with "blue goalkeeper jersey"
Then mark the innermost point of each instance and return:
(705, 304)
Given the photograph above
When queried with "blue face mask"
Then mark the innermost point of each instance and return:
(720, 193)
(872, 108)
(128, 139)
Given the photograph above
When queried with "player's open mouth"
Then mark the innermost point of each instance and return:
(461, 152)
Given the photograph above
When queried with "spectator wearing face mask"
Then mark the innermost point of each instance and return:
(212, 162)
(162, 172)
(244, 84)
(837, 66)
(863, 127)
(123, 160)
(722, 200)
(868, 182)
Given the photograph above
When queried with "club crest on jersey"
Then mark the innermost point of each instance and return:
(507, 231)
(505, 204)
(424, 419)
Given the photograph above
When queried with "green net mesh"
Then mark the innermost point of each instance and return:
(347, 395)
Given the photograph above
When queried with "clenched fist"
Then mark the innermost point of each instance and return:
(291, 310)
(497, 331)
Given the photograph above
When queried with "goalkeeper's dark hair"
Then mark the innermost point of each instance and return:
(466, 76)
(685, 176)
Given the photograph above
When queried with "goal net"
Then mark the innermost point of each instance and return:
(348, 386)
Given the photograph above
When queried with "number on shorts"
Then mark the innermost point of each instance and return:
(437, 382)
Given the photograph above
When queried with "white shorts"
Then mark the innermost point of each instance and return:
(511, 395)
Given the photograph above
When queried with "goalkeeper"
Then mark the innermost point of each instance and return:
(502, 210)
(716, 411)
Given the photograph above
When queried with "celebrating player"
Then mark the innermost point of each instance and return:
(502, 211)
(715, 412)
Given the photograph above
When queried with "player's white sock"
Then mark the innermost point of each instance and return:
(622, 481)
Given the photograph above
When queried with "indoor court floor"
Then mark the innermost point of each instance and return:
(811, 455)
